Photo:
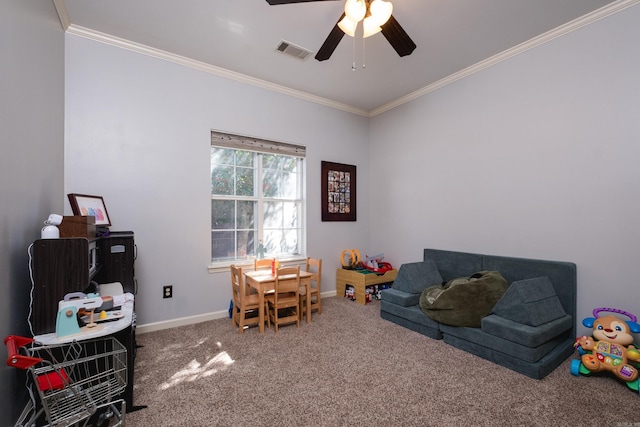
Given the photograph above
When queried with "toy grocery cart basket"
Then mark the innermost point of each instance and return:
(73, 381)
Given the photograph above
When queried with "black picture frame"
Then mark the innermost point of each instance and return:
(87, 205)
(338, 191)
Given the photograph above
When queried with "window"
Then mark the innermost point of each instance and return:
(257, 201)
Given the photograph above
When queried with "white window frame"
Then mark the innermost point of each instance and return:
(260, 146)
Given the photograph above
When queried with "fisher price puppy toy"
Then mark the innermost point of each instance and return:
(610, 348)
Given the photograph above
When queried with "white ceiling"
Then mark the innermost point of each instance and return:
(241, 36)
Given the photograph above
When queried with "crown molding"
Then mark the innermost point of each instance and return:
(567, 28)
(62, 14)
(208, 68)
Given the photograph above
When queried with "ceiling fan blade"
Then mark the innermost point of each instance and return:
(398, 37)
(275, 2)
(330, 44)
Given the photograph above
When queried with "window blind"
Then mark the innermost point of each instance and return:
(239, 142)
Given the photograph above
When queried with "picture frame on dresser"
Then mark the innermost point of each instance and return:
(338, 192)
(88, 205)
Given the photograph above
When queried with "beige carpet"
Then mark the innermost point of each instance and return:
(349, 367)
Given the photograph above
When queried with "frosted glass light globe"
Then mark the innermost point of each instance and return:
(355, 10)
(380, 11)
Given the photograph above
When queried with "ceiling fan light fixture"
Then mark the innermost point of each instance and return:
(348, 26)
(377, 13)
(380, 11)
(355, 10)
(370, 27)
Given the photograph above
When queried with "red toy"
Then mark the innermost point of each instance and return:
(376, 264)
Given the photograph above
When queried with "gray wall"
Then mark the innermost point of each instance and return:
(31, 164)
(534, 157)
(138, 133)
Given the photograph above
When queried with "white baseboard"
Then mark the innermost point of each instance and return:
(191, 320)
(182, 321)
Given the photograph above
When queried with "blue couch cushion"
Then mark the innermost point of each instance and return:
(400, 298)
(500, 345)
(412, 313)
(414, 277)
(561, 274)
(531, 302)
(528, 336)
(452, 265)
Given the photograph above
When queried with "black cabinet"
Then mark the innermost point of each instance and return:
(60, 266)
(127, 337)
(117, 254)
(65, 265)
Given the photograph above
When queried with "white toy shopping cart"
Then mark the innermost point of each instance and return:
(73, 382)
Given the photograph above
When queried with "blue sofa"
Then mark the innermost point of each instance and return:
(530, 330)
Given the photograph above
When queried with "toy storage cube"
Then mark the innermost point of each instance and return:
(360, 280)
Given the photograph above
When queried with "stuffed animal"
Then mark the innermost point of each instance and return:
(610, 346)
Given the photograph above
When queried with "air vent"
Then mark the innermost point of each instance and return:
(293, 50)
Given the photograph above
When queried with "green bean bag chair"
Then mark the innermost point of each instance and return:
(463, 301)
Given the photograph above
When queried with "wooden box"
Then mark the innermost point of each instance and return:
(360, 280)
(78, 226)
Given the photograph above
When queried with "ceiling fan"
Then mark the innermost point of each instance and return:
(391, 29)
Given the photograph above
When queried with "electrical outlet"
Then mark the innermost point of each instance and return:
(167, 291)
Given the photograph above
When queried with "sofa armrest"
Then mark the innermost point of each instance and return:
(401, 298)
